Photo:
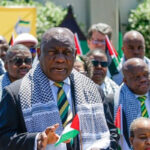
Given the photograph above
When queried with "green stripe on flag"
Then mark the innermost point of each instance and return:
(23, 22)
(68, 135)
(118, 129)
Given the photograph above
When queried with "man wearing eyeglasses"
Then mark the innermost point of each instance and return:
(96, 39)
(100, 64)
(17, 63)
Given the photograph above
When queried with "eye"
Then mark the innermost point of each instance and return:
(143, 137)
(68, 52)
(51, 52)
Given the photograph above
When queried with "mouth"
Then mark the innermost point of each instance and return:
(148, 148)
(23, 71)
(145, 85)
(60, 70)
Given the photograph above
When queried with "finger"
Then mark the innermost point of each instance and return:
(51, 128)
(44, 139)
(56, 126)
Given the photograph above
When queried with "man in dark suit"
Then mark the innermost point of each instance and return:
(31, 105)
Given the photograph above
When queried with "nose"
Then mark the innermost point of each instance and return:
(60, 58)
(136, 51)
(144, 79)
(148, 141)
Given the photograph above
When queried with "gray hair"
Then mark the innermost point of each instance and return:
(134, 123)
(96, 51)
(15, 49)
(100, 27)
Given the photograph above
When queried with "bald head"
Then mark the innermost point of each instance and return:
(58, 36)
(137, 123)
(133, 45)
(131, 64)
(133, 35)
(136, 75)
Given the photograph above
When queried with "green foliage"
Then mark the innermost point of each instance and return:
(139, 20)
(48, 15)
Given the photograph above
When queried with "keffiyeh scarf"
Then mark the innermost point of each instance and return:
(130, 104)
(40, 111)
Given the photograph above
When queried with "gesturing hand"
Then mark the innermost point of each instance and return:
(47, 137)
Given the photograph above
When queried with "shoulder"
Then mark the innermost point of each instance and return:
(108, 80)
(80, 78)
(13, 87)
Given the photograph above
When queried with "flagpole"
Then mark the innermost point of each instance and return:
(81, 144)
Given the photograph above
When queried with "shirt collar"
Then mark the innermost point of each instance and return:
(66, 81)
(136, 95)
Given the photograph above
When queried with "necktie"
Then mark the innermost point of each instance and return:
(143, 106)
(63, 105)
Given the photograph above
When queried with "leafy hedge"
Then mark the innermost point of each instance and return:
(139, 19)
(48, 15)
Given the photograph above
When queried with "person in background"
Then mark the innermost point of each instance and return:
(84, 66)
(29, 41)
(140, 134)
(134, 94)
(18, 62)
(96, 39)
(3, 49)
(133, 47)
(100, 64)
(34, 103)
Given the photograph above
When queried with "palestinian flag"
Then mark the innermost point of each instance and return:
(118, 119)
(77, 44)
(119, 124)
(70, 131)
(11, 41)
(114, 67)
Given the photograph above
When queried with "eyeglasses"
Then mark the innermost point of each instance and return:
(102, 63)
(19, 61)
(102, 42)
(32, 49)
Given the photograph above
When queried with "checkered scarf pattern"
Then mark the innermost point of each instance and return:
(110, 87)
(130, 104)
(40, 110)
(4, 81)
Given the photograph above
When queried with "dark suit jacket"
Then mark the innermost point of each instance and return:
(108, 111)
(13, 132)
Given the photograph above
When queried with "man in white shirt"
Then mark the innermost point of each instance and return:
(35, 103)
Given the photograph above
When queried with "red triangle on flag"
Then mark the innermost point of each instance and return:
(75, 123)
(77, 44)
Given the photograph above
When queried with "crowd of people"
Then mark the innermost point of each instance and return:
(42, 90)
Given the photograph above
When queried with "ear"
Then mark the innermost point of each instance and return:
(124, 80)
(88, 42)
(122, 48)
(131, 140)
